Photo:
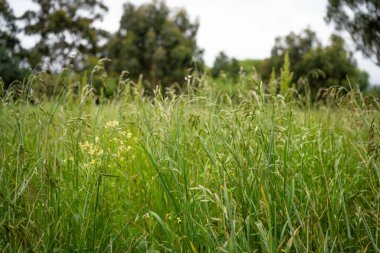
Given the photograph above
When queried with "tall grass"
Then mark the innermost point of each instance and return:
(199, 172)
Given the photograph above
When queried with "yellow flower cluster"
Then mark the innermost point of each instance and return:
(120, 141)
(121, 149)
(90, 148)
(127, 135)
(112, 124)
(115, 143)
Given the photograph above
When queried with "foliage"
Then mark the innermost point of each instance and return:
(321, 66)
(249, 65)
(158, 47)
(201, 172)
(286, 76)
(374, 91)
(8, 27)
(338, 66)
(155, 42)
(272, 84)
(10, 70)
(10, 49)
(65, 32)
(296, 45)
(361, 19)
(223, 65)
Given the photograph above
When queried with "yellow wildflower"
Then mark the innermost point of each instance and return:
(112, 124)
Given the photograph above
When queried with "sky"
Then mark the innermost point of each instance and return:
(241, 28)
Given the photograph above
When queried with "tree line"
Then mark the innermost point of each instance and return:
(312, 64)
(159, 45)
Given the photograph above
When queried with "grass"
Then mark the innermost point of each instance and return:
(198, 172)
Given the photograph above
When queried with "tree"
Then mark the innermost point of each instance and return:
(296, 45)
(337, 64)
(224, 64)
(8, 27)
(64, 27)
(321, 66)
(361, 19)
(221, 64)
(155, 42)
(10, 48)
(10, 69)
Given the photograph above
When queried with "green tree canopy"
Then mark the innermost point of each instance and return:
(297, 45)
(226, 65)
(8, 27)
(322, 66)
(155, 42)
(63, 27)
(10, 48)
(361, 19)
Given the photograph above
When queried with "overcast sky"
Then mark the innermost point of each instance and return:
(242, 28)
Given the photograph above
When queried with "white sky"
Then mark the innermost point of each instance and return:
(241, 28)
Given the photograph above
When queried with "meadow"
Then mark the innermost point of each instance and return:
(205, 170)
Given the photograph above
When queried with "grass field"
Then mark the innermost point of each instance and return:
(198, 172)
